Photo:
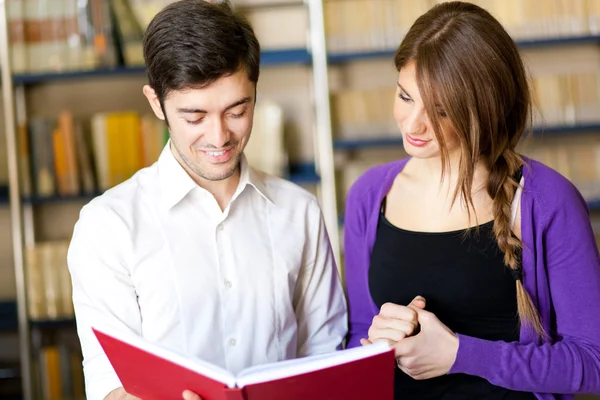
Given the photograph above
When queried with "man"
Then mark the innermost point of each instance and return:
(199, 252)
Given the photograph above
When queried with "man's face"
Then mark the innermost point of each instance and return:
(210, 126)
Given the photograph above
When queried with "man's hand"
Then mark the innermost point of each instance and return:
(189, 395)
(394, 322)
(120, 394)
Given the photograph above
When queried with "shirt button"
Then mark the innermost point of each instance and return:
(220, 228)
(228, 284)
(232, 342)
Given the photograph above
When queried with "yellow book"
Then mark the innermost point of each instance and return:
(67, 130)
(130, 126)
(51, 378)
(115, 152)
(60, 162)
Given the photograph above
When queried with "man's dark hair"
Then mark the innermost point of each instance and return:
(192, 43)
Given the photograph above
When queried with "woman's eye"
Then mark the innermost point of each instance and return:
(404, 98)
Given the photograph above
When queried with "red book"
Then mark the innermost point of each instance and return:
(149, 371)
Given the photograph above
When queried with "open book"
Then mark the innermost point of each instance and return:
(149, 371)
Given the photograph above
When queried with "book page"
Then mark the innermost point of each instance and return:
(194, 364)
(285, 369)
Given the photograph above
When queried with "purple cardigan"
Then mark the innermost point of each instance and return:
(561, 269)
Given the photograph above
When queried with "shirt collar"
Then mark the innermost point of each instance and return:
(175, 182)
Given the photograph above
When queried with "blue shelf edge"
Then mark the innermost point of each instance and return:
(539, 131)
(52, 323)
(302, 174)
(38, 200)
(268, 58)
(8, 316)
(9, 319)
(3, 194)
(341, 57)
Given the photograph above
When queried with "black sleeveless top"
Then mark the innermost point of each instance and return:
(462, 276)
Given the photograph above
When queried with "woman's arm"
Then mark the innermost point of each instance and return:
(356, 259)
(572, 363)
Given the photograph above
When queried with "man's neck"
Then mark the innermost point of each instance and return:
(222, 190)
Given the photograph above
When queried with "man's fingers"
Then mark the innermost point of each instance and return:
(365, 342)
(189, 395)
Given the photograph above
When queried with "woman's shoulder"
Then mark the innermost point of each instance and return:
(374, 178)
(549, 187)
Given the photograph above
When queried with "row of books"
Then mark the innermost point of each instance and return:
(71, 35)
(566, 98)
(559, 99)
(49, 290)
(57, 370)
(359, 112)
(65, 35)
(361, 25)
(69, 156)
(577, 160)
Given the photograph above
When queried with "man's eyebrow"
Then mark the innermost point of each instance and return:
(200, 111)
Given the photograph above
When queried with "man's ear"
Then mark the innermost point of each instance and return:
(154, 101)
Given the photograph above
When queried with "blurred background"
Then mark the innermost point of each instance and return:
(324, 116)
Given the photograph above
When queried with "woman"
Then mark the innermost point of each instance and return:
(477, 264)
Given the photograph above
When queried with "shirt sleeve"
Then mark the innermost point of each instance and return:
(319, 301)
(103, 293)
(357, 265)
(571, 364)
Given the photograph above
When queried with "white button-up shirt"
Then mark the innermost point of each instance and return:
(252, 284)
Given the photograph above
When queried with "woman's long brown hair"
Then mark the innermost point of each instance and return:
(467, 64)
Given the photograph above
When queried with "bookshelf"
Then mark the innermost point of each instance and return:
(383, 141)
(550, 42)
(560, 44)
(268, 58)
(327, 149)
(21, 93)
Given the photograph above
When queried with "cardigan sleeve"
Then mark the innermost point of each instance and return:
(356, 259)
(571, 364)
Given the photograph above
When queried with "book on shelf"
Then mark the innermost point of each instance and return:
(558, 99)
(57, 366)
(366, 25)
(68, 156)
(150, 371)
(49, 291)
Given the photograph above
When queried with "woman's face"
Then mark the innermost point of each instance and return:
(418, 137)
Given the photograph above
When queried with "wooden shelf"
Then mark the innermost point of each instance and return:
(52, 323)
(3, 195)
(384, 141)
(268, 58)
(343, 57)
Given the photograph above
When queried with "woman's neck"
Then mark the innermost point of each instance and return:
(429, 172)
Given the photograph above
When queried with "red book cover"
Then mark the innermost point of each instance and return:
(152, 372)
